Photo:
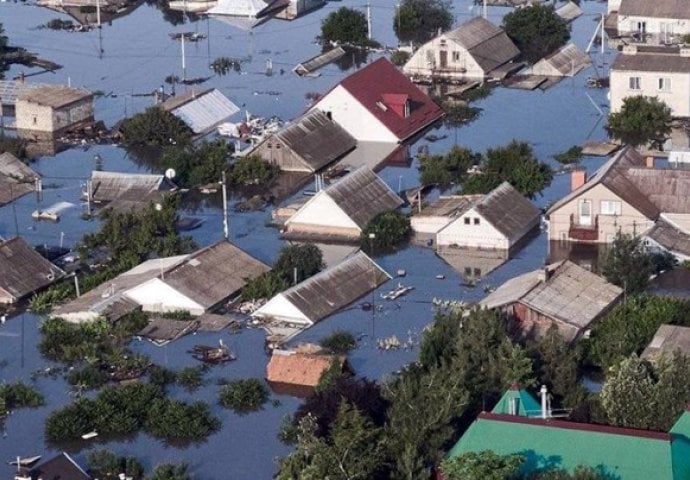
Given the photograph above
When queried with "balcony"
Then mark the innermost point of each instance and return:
(583, 233)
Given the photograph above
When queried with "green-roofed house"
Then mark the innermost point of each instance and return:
(619, 453)
(517, 401)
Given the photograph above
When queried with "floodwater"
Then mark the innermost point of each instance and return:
(137, 55)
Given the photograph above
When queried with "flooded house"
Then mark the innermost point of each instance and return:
(198, 283)
(16, 178)
(48, 111)
(325, 293)
(379, 104)
(541, 436)
(653, 72)
(297, 373)
(564, 295)
(342, 211)
(668, 340)
(628, 194)
(62, 467)
(658, 22)
(126, 191)
(201, 111)
(23, 271)
(310, 143)
(569, 11)
(295, 8)
(477, 49)
(567, 61)
(245, 14)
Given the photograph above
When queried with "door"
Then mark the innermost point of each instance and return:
(443, 56)
(642, 28)
(585, 212)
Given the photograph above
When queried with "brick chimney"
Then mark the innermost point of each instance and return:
(578, 177)
(649, 161)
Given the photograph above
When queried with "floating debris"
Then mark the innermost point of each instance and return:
(89, 435)
(51, 213)
(397, 292)
(212, 355)
(401, 272)
(440, 277)
(188, 36)
(389, 343)
(24, 462)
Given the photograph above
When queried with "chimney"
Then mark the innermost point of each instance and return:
(543, 274)
(578, 177)
(649, 161)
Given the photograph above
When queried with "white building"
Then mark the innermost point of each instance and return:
(476, 49)
(662, 74)
(659, 21)
(343, 210)
(379, 104)
(498, 220)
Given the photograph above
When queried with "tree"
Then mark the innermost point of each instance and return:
(484, 465)
(627, 264)
(171, 471)
(514, 163)
(389, 230)
(252, 170)
(106, 465)
(418, 21)
(536, 31)
(306, 259)
(439, 344)
(155, 127)
(345, 25)
(447, 169)
(3, 39)
(196, 164)
(340, 342)
(244, 396)
(266, 285)
(640, 121)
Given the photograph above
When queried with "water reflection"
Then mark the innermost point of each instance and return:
(586, 255)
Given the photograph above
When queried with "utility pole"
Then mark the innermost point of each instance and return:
(226, 229)
(184, 62)
(369, 20)
(88, 197)
(372, 236)
(484, 10)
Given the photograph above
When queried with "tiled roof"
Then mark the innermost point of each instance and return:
(371, 83)
(295, 368)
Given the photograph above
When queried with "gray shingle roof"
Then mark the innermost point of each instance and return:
(23, 269)
(670, 237)
(667, 340)
(569, 11)
(488, 44)
(507, 210)
(656, 8)
(566, 61)
(362, 195)
(317, 140)
(337, 287)
(108, 186)
(669, 61)
(60, 467)
(16, 178)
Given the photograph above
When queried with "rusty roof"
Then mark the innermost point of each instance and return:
(362, 195)
(24, 270)
(55, 96)
(316, 139)
(294, 368)
(16, 178)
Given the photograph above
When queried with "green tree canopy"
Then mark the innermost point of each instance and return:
(514, 163)
(3, 39)
(171, 471)
(418, 21)
(345, 25)
(536, 30)
(484, 465)
(627, 264)
(389, 229)
(196, 165)
(252, 170)
(306, 258)
(155, 127)
(640, 121)
(447, 169)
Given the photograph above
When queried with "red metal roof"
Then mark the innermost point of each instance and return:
(381, 82)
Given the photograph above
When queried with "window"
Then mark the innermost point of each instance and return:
(610, 207)
(476, 220)
(665, 84)
(407, 109)
(456, 56)
(477, 272)
(467, 220)
(468, 271)
(634, 83)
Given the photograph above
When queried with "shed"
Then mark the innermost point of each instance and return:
(563, 294)
(567, 61)
(53, 109)
(110, 186)
(23, 270)
(569, 11)
(60, 467)
(295, 373)
(343, 210)
(308, 67)
(497, 220)
(326, 292)
(311, 143)
(16, 178)
(668, 339)
(201, 111)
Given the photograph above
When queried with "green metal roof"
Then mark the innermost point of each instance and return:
(525, 403)
(622, 453)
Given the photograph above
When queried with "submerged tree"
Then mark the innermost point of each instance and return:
(389, 229)
(536, 30)
(155, 127)
(418, 21)
(641, 120)
(345, 25)
(447, 169)
(627, 264)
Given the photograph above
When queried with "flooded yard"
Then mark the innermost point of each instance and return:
(137, 54)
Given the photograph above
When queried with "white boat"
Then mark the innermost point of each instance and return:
(25, 462)
(89, 435)
(51, 213)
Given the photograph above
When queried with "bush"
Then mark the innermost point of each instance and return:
(339, 342)
(106, 465)
(155, 127)
(161, 376)
(169, 471)
(265, 285)
(570, 156)
(345, 25)
(641, 120)
(191, 378)
(244, 396)
(176, 421)
(627, 263)
(196, 164)
(390, 230)
(88, 377)
(399, 57)
(19, 395)
(447, 169)
(536, 31)
(252, 170)
(419, 20)
(306, 258)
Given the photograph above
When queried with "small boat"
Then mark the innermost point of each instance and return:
(397, 293)
(90, 435)
(401, 272)
(24, 462)
(440, 277)
(213, 355)
(186, 224)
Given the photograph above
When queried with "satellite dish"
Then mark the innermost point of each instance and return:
(170, 173)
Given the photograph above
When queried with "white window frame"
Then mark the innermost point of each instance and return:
(634, 83)
(611, 207)
(664, 84)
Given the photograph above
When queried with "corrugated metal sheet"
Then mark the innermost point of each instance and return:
(16, 178)
(362, 195)
(108, 186)
(319, 61)
(24, 270)
(670, 237)
(317, 140)
(655, 8)
(507, 210)
(204, 112)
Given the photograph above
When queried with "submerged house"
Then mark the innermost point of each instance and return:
(245, 14)
(549, 443)
(292, 9)
(567, 61)
(48, 111)
(497, 220)
(296, 373)
(379, 104)
(309, 144)
(60, 467)
(197, 283)
(564, 295)
(201, 111)
(124, 191)
(325, 293)
(660, 21)
(569, 11)
(23, 271)
(342, 211)
(16, 178)
(477, 49)
(628, 194)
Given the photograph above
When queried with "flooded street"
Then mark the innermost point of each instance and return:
(138, 54)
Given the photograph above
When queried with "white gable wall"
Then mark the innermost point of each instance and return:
(322, 211)
(677, 96)
(426, 61)
(428, 224)
(483, 235)
(354, 117)
(280, 308)
(157, 296)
